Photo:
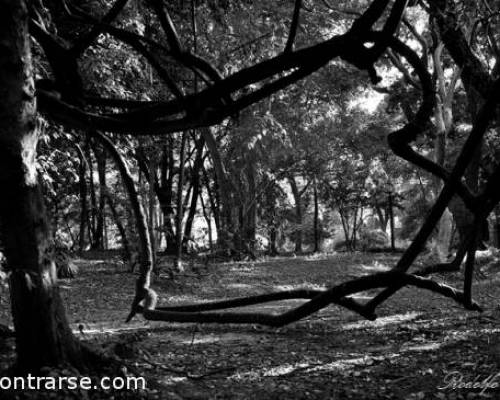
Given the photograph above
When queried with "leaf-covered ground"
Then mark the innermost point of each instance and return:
(418, 340)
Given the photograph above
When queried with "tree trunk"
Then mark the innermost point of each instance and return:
(227, 223)
(98, 243)
(345, 227)
(497, 226)
(93, 197)
(145, 250)
(119, 226)
(273, 236)
(214, 206)
(382, 216)
(152, 208)
(179, 209)
(195, 182)
(165, 195)
(209, 224)
(462, 216)
(250, 212)
(316, 218)
(391, 221)
(43, 336)
(298, 214)
(443, 117)
(83, 197)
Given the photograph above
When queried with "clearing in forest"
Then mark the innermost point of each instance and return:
(407, 353)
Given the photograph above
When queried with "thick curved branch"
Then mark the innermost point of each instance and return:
(317, 303)
(389, 30)
(133, 41)
(365, 22)
(346, 302)
(145, 253)
(400, 140)
(62, 63)
(313, 58)
(486, 113)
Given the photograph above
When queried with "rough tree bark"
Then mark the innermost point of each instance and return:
(43, 336)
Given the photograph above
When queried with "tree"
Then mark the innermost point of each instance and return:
(43, 336)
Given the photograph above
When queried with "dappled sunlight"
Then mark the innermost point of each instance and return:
(375, 267)
(108, 328)
(319, 257)
(382, 321)
(359, 296)
(200, 338)
(171, 380)
(89, 262)
(305, 285)
(240, 286)
(309, 367)
(423, 346)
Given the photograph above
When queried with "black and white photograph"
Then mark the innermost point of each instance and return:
(249, 200)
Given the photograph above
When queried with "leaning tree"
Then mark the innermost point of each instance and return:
(67, 31)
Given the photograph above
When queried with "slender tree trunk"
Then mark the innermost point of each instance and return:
(250, 214)
(354, 228)
(119, 226)
(443, 117)
(187, 197)
(226, 230)
(165, 194)
(214, 206)
(298, 214)
(82, 184)
(382, 215)
(273, 236)
(195, 182)
(93, 197)
(145, 251)
(43, 336)
(345, 227)
(98, 243)
(209, 223)
(497, 226)
(152, 213)
(316, 218)
(391, 222)
(180, 210)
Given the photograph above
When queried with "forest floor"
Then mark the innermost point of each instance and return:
(420, 343)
